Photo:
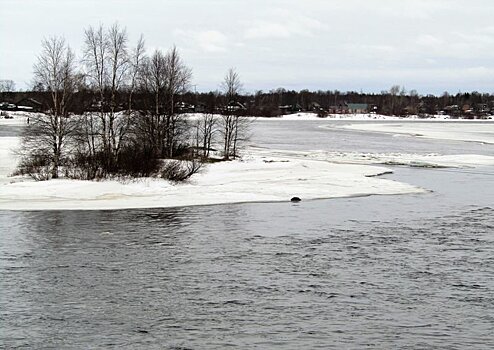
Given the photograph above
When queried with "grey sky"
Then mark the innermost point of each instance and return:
(368, 45)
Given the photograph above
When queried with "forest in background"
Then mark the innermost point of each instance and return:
(396, 101)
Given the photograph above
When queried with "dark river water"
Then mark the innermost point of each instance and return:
(381, 272)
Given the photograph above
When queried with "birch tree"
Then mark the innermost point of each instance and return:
(165, 76)
(95, 53)
(151, 126)
(206, 130)
(7, 85)
(107, 61)
(234, 127)
(47, 138)
(178, 77)
(137, 59)
(119, 65)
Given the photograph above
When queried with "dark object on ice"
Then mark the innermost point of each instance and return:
(295, 199)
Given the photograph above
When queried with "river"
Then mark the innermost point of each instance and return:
(384, 272)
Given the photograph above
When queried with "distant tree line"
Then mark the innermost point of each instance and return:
(395, 101)
(117, 113)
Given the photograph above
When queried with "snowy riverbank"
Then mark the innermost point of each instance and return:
(255, 179)
(262, 175)
(365, 117)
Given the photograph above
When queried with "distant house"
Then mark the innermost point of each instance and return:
(200, 108)
(286, 109)
(314, 106)
(339, 108)
(452, 110)
(482, 108)
(409, 110)
(97, 106)
(183, 107)
(6, 106)
(358, 108)
(29, 104)
(235, 106)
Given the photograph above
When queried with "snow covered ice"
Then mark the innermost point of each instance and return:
(261, 175)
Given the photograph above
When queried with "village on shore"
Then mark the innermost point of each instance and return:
(281, 102)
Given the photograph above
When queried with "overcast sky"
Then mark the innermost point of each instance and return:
(368, 45)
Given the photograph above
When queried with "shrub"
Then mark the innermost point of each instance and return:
(322, 113)
(37, 166)
(180, 170)
(137, 162)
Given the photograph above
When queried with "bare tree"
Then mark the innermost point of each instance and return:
(178, 77)
(395, 89)
(414, 101)
(233, 125)
(154, 78)
(165, 76)
(7, 85)
(48, 136)
(95, 53)
(227, 130)
(107, 61)
(137, 58)
(231, 85)
(241, 133)
(206, 129)
(119, 64)
(109, 138)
